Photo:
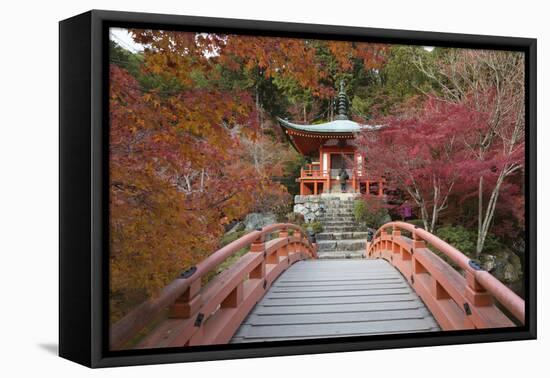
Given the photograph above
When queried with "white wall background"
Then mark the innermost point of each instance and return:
(29, 186)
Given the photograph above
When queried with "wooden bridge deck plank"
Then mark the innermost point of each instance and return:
(335, 298)
(356, 287)
(325, 318)
(343, 293)
(337, 308)
(285, 302)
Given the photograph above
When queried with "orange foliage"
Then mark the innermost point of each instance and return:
(177, 174)
(188, 160)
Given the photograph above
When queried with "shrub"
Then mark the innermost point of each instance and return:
(281, 211)
(416, 222)
(295, 218)
(316, 227)
(225, 240)
(465, 240)
(232, 236)
(459, 237)
(370, 212)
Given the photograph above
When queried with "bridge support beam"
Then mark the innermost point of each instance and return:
(235, 298)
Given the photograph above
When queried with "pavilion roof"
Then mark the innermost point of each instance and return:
(308, 138)
(342, 126)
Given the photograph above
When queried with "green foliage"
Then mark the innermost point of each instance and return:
(370, 213)
(416, 222)
(133, 63)
(402, 78)
(398, 80)
(225, 240)
(231, 237)
(295, 94)
(316, 227)
(459, 237)
(465, 240)
(496, 256)
(291, 170)
(125, 59)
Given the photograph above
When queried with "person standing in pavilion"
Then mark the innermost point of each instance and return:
(343, 177)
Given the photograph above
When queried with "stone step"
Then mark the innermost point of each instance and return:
(336, 217)
(340, 255)
(338, 223)
(340, 235)
(328, 229)
(329, 222)
(341, 245)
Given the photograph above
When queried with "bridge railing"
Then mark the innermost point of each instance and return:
(457, 301)
(211, 314)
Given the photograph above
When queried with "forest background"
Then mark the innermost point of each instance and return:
(194, 143)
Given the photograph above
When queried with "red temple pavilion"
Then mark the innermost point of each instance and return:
(331, 149)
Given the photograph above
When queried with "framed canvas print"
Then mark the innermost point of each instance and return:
(233, 188)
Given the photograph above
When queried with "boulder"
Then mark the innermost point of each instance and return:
(489, 262)
(510, 273)
(258, 220)
(504, 265)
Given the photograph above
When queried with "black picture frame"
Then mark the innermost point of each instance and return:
(83, 196)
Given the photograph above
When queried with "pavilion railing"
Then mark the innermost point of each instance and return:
(457, 301)
(211, 314)
(311, 170)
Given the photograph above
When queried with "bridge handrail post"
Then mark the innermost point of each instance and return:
(475, 292)
(396, 231)
(188, 303)
(417, 241)
(258, 246)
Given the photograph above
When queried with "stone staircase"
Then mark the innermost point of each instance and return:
(341, 236)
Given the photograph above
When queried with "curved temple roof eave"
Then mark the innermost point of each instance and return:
(332, 128)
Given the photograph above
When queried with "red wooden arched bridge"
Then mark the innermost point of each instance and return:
(408, 281)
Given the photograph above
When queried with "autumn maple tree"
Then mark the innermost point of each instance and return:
(417, 153)
(178, 170)
(192, 146)
(491, 85)
(464, 139)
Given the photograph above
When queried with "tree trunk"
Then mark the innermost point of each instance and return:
(479, 245)
(483, 227)
(435, 210)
